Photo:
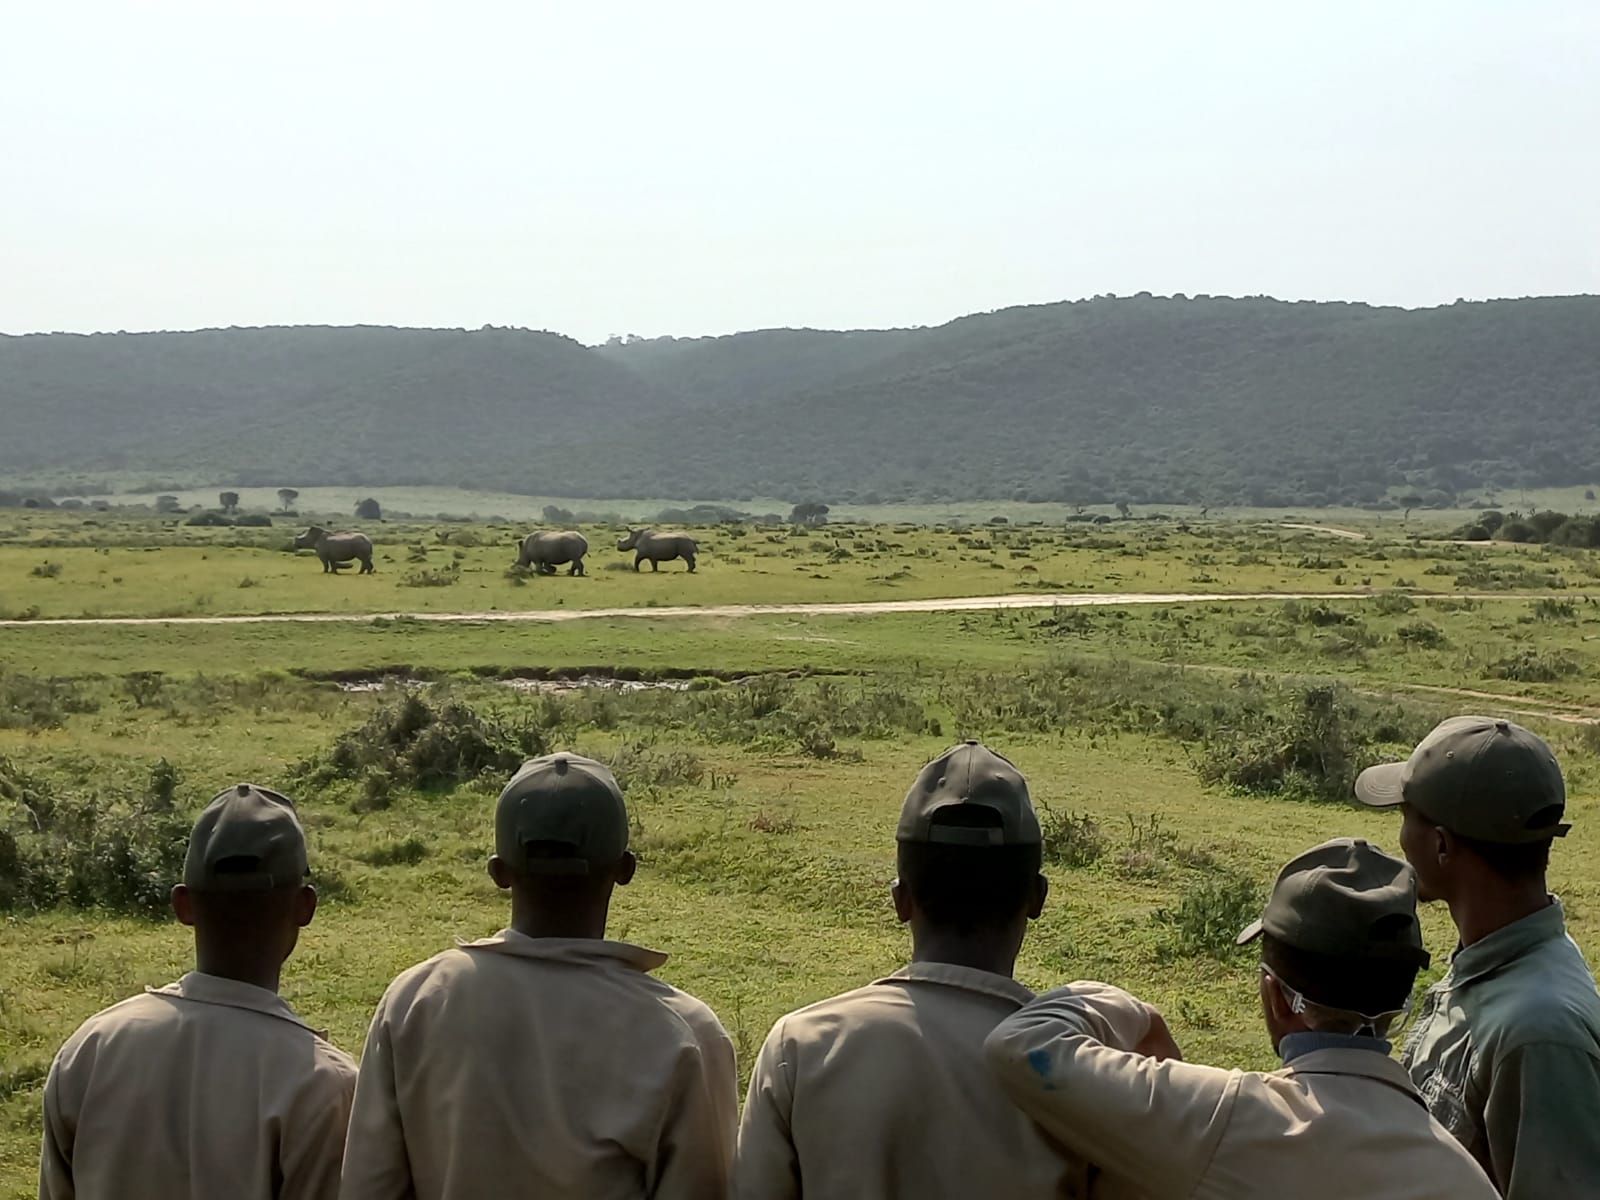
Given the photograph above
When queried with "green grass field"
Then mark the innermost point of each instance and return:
(1181, 752)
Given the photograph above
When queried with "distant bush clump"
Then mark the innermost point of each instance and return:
(113, 848)
(417, 743)
(1209, 915)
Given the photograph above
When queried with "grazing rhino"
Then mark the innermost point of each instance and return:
(336, 549)
(544, 552)
(658, 547)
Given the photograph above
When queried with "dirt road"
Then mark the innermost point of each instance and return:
(864, 608)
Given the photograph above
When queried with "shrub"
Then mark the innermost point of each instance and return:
(33, 703)
(213, 519)
(408, 853)
(1547, 609)
(1425, 634)
(1209, 915)
(435, 577)
(419, 744)
(1070, 839)
(46, 570)
(254, 520)
(115, 850)
(1531, 666)
(1393, 604)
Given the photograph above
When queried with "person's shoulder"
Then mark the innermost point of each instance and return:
(1550, 997)
(426, 976)
(136, 1012)
(825, 1020)
(690, 1013)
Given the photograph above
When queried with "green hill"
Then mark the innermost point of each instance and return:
(1141, 399)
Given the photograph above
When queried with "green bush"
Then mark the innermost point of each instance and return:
(1071, 839)
(1209, 916)
(1421, 633)
(119, 850)
(1533, 666)
(421, 744)
(34, 702)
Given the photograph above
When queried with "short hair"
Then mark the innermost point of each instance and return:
(965, 887)
(1514, 862)
(1344, 984)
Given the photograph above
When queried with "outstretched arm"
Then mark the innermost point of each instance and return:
(1071, 1061)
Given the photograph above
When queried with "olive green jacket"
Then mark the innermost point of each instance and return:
(1506, 1053)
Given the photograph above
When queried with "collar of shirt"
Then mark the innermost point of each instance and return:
(578, 951)
(969, 978)
(1296, 1045)
(231, 993)
(1504, 945)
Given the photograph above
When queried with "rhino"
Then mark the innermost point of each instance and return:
(658, 547)
(336, 549)
(544, 552)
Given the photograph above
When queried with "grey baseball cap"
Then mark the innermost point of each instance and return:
(1481, 777)
(970, 775)
(1344, 899)
(566, 804)
(248, 839)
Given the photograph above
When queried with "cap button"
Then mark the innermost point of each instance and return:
(242, 788)
(561, 764)
(972, 741)
(1503, 726)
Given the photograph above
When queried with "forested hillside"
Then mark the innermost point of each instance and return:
(1140, 399)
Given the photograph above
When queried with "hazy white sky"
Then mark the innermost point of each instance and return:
(695, 167)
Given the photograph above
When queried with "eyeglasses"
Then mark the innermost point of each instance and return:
(1396, 1018)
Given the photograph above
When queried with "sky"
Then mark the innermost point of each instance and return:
(694, 168)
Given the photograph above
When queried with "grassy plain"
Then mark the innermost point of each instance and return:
(1183, 751)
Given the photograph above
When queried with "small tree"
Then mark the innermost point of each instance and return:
(1123, 510)
(1409, 501)
(287, 497)
(368, 510)
(166, 504)
(554, 515)
(228, 501)
(811, 512)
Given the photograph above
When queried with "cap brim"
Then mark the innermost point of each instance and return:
(1248, 934)
(1381, 786)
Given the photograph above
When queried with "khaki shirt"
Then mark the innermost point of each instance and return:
(553, 1067)
(1335, 1124)
(205, 1088)
(1506, 1052)
(883, 1092)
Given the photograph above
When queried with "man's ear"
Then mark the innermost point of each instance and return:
(1041, 892)
(904, 906)
(1446, 847)
(627, 866)
(183, 905)
(500, 872)
(305, 906)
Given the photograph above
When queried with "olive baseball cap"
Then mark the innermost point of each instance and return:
(969, 775)
(1345, 899)
(248, 839)
(1480, 777)
(568, 805)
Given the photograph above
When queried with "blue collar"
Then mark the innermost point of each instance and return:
(1296, 1045)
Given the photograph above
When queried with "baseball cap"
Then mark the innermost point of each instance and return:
(568, 803)
(248, 839)
(1344, 899)
(973, 776)
(1480, 777)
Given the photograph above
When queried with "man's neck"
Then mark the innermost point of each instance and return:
(261, 975)
(977, 953)
(1479, 912)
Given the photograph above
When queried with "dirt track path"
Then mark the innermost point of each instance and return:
(863, 608)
